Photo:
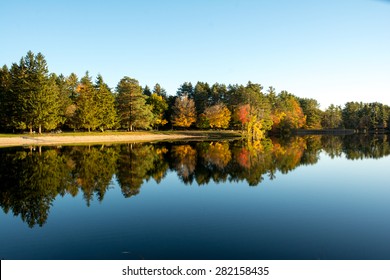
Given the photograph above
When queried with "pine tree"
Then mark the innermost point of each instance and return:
(87, 113)
(186, 89)
(201, 96)
(106, 105)
(160, 91)
(131, 105)
(5, 81)
(147, 91)
(35, 93)
(50, 107)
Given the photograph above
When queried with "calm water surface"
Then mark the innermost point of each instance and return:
(316, 197)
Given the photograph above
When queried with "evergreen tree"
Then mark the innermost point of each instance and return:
(131, 104)
(160, 91)
(87, 111)
(67, 102)
(106, 105)
(50, 116)
(217, 94)
(186, 89)
(147, 91)
(35, 93)
(311, 109)
(332, 117)
(5, 81)
(201, 96)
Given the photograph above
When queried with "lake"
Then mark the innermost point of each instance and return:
(312, 197)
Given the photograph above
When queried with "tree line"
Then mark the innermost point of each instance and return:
(33, 99)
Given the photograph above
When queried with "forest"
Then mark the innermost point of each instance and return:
(34, 100)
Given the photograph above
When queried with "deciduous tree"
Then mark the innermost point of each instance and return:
(218, 116)
(184, 113)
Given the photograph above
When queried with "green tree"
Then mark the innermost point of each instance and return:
(350, 114)
(5, 105)
(106, 105)
(378, 115)
(186, 89)
(67, 95)
(201, 96)
(311, 110)
(160, 91)
(49, 113)
(159, 108)
(131, 105)
(35, 94)
(217, 94)
(147, 91)
(87, 111)
(332, 117)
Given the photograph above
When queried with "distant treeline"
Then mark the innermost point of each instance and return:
(33, 99)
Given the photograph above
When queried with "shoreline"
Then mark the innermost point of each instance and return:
(48, 140)
(131, 137)
(53, 140)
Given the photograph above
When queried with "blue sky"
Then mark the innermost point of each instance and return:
(334, 51)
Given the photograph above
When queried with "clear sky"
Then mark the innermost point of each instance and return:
(331, 50)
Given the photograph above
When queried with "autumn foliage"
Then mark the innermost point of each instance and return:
(184, 113)
(218, 116)
(242, 114)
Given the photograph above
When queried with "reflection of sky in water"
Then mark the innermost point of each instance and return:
(335, 209)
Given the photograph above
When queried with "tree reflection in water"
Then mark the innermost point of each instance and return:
(32, 178)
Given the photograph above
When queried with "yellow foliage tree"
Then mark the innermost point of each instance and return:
(159, 106)
(218, 116)
(184, 113)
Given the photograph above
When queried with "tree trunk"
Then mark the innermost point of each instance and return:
(40, 129)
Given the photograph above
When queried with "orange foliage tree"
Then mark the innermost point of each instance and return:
(287, 113)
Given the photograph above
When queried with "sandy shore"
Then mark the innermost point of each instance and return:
(49, 140)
